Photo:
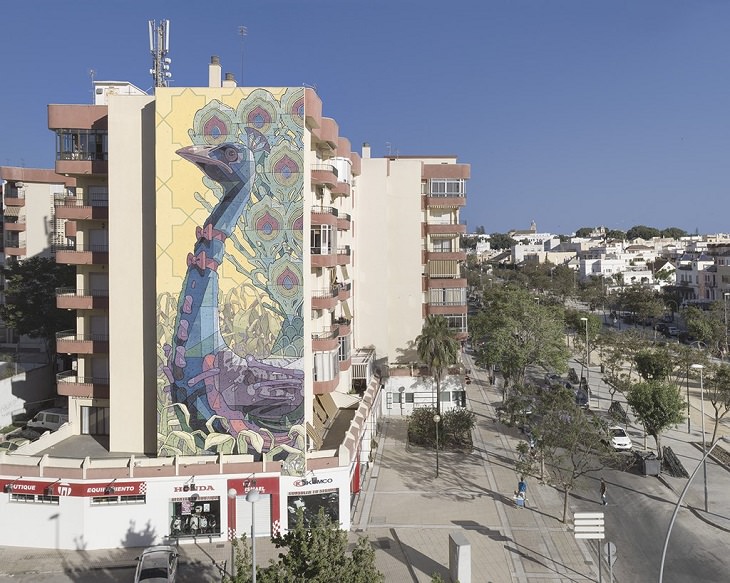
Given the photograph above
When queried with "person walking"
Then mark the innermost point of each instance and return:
(603, 492)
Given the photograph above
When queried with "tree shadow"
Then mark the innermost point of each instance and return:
(547, 563)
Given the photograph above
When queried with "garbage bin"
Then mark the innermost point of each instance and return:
(651, 466)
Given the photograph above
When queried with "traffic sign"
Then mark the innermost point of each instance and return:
(589, 525)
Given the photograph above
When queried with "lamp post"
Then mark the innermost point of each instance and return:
(700, 367)
(724, 297)
(231, 509)
(588, 364)
(253, 496)
(679, 503)
(436, 420)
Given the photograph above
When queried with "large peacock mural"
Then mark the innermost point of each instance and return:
(229, 273)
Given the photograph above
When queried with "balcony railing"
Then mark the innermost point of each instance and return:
(72, 201)
(325, 293)
(82, 248)
(329, 334)
(71, 376)
(343, 250)
(325, 210)
(321, 251)
(73, 336)
(326, 168)
(79, 293)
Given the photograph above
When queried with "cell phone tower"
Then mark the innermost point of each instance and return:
(159, 47)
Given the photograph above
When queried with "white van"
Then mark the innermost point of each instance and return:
(49, 419)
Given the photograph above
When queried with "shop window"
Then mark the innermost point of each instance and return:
(141, 499)
(195, 516)
(31, 498)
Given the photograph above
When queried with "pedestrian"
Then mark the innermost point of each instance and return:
(603, 492)
(522, 485)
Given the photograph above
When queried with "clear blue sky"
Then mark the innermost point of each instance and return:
(571, 113)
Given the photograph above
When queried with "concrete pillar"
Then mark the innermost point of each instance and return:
(459, 558)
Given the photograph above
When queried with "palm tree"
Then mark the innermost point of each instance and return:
(438, 348)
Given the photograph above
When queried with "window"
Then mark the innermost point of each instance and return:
(193, 517)
(100, 500)
(322, 240)
(77, 144)
(344, 348)
(442, 246)
(31, 498)
(410, 397)
(447, 187)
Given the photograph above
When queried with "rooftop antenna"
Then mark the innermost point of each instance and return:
(242, 31)
(160, 47)
(92, 74)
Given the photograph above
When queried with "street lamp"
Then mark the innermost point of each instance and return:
(231, 509)
(588, 364)
(724, 297)
(701, 367)
(436, 420)
(253, 496)
(679, 503)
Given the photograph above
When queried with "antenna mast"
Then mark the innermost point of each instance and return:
(160, 47)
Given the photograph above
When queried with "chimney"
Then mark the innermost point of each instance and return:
(230, 80)
(214, 72)
(365, 150)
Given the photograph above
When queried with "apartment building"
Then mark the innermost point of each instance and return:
(223, 342)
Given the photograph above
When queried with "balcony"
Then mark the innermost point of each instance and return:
(15, 251)
(445, 255)
(344, 325)
(70, 298)
(324, 387)
(69, 384)
(68, 342)
(341, 189)
(323, 257)
(445, 282)
(324, 174)
(343, 255)
(345, 364)
(445, 309)
(14, 198)
(325, 299)
(344, 222)
(17, 226)
(83, 255)
(81, 209)
(325, 215)
(344, 292)
(326, 340)
(442, 200)
(445, 229)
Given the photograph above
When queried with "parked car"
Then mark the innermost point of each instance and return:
(157, 564)
(552, 379)
(618, 439)
(13, 443)
(49, 419)
(672, 331)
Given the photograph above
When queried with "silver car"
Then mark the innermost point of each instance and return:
(157, 564)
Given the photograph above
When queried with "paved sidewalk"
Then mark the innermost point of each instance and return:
(409, 513)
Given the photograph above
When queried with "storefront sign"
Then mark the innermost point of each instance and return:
(59, 488)
(312, 481)
(194, 488)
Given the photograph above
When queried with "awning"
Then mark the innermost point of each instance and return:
(12, 211)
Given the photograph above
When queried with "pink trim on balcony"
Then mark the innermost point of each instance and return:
(77, 209)
(356, 163)
(323, 387)
(325, 216)
(345, 364)
(450, 229)
(446, 171)
(19, 227)
(341, 188)
(329, 131)
(445, 201)
(72, 299)
(81, 117)
(343, 147)
(312, 108)
(446, 283)
(446, 256)
(35, 175)
(324, 299)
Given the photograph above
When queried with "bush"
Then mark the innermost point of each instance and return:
(455, 428)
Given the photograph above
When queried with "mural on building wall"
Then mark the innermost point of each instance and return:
(229, 273)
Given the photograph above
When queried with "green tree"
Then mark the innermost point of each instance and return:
(517, 332)
(584, 232)
(674, 233)
(316, 552)
(30, 295)
(438, 348)
(571, 442)
(717, 390)
(501, 241)
(653, 364)
(658, 405)
(642, 232)
(616, 234)
(706, 326)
